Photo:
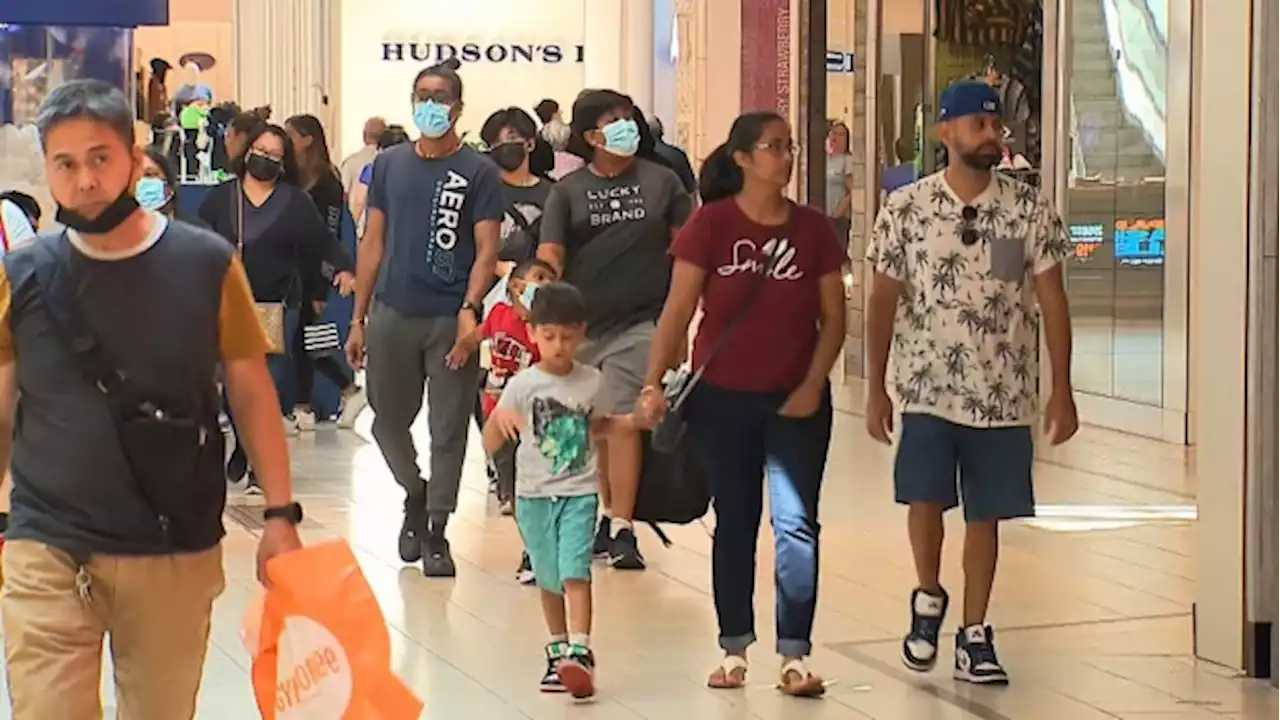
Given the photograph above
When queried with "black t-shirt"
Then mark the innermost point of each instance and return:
(522, 209)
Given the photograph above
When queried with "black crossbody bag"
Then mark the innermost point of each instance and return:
(670, 428)
(175, 458)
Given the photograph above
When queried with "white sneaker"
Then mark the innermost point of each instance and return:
(351, 409)
(290, 426)
(305, 420)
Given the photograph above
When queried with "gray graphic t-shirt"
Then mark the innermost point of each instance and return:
(432, 207)
(616, 233)
(555, 457)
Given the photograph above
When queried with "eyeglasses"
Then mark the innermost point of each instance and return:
(968, 233)
(778, 147)
(444, 97)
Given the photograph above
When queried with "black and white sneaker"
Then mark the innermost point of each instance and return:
(551, 678)
(920, 646)
(577, 672)
(604, 538)
(624, 553)
(437, 560)
(976, 660)
(524, 575)
(412, 529)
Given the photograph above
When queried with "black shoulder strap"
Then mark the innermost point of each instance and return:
(58, 295)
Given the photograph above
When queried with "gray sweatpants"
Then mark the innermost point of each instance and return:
(404, 355)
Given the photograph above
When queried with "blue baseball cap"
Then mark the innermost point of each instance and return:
(968, 97)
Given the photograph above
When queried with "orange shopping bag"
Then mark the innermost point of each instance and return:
(320, 647)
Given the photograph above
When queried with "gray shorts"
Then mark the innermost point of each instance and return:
(623, 358)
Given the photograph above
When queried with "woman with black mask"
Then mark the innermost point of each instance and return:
(280, 236)
(322, 182)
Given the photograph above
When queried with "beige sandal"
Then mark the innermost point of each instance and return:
(730, 675)
(797, 681)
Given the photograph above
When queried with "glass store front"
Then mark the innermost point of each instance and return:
(1097, 105)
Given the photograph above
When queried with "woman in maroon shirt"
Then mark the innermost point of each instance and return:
(763, 404)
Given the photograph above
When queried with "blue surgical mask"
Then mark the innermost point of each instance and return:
(622, 137)
(151, 193)
(526, 295)
(432, 118)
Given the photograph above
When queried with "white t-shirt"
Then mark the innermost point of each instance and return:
(966, 333)
(16, 228)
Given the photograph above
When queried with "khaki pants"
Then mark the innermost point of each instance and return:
(155, 609)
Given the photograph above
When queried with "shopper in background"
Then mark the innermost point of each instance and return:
(839, 180)
(510, 134)
(319, 178)
(157, 188)
(428, 255)
(557, 134)
(674, 156)
(607, 229)
(355, 162)
(359, 199)
(19, 218)
(905, 171)
(280, 236)
(766, 273)
(960, 260)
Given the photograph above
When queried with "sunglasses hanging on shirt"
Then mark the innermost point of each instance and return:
(968, 233)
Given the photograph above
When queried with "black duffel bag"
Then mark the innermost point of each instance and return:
(674, 486)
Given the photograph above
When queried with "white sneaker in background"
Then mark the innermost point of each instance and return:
(290, 426)
(305, 420)
(352, 406)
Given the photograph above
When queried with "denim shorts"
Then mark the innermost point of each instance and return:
(942, 462)
(558, 534)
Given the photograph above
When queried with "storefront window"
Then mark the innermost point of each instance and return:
(1115, 195)
(34, 59)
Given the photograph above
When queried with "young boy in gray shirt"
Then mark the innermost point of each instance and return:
(552, 409)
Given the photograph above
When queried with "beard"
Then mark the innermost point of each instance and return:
(983, 158)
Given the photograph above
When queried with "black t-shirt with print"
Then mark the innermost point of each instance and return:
(522, 219)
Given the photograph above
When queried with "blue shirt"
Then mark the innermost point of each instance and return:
(898, 176)
(431, 208)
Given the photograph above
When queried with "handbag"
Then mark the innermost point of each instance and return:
(174, 453)
(270, 314)
(321, 338)
(670, 428)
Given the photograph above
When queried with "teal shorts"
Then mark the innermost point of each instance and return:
(558, 533)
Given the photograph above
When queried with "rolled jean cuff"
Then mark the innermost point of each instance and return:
(794, 648)
(737, 642)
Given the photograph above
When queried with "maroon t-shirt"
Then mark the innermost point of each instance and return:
(770, 350)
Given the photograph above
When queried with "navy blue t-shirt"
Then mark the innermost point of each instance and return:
(431, 207)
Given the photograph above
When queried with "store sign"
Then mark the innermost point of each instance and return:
(112, 13)
(840, 63)
(1085, 238)
(1139, 241)
(766, 56)
(478, 52)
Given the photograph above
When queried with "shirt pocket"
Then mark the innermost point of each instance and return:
(1008, 259)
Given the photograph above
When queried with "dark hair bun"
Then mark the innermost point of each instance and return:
(452, 63)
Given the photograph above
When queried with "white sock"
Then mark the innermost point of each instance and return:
(582, 640)
(619, 525)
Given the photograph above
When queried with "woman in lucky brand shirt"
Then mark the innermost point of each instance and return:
(767, 274)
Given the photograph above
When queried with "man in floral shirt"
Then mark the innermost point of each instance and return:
(961, 259)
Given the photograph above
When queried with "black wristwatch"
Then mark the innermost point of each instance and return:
(291, 512)
(474, 308)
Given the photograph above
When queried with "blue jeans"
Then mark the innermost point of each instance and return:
(742, 439)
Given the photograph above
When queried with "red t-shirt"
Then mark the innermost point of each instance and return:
(771, 349)
(510, 350)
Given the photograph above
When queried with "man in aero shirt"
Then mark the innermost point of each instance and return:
(428, 254)
(91, 549)
(608, 226)
(961, 258)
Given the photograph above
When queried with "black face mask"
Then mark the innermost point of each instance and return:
(264, 168)
(509, 155)
(109, 219)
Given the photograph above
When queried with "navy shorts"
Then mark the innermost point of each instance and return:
(941, 462)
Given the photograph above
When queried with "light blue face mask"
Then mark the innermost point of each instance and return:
(621, 137)
(526, 295)
(151, 193)
(432, 118)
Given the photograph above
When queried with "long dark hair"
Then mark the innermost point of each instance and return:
(721, 177)
(166, 169)
(289, 160)
(318, 160)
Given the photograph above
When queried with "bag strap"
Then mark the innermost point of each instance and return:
(294, 280)
(90, 357)
(767, 266)
(4, 236)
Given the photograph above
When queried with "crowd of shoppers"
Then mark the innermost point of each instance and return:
(581, 279)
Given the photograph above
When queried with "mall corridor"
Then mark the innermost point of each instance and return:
(1093, 602)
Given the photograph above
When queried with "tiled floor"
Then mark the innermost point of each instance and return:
(1092, 604)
